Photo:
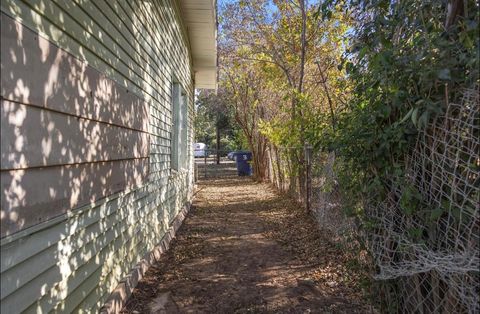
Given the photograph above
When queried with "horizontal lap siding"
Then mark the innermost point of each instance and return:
(50, 191)
(92, 85)
(38, 73)
(50, 138)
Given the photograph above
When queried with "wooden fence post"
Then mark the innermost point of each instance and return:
(205, 153)
(308, 181)
(195, 171)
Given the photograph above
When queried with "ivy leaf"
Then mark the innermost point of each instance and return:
(415, 116)
(409, 113)
(386, 110)
(444, 75)
(349, 67)
(362, 52)
(422, 121)
(436, 213)
(456, 213)
(415, 233)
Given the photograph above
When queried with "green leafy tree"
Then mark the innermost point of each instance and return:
(406, 61)
(294, 55)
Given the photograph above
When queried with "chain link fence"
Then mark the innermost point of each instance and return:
(429, 257)
(214, 164)
(424, 237)
(328, 201)
(318, 191)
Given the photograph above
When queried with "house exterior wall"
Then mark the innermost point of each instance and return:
(86, 121)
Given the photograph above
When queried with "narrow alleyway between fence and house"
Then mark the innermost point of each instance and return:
(246, 249)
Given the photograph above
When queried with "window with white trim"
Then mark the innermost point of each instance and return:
(179, 127)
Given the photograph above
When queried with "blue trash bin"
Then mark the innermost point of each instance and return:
(243, 163)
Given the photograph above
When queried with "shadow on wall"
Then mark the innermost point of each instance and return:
(69, 135)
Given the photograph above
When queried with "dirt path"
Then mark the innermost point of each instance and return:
(245, 249)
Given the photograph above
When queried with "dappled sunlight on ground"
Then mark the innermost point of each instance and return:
(234, 255)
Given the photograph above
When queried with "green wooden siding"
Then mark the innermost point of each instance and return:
(72, 262)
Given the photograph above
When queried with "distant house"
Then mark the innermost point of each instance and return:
(96, 143)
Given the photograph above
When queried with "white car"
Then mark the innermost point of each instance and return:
(199, 150)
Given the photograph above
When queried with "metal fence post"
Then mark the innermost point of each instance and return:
(308, 181)
(195, 171)
(205, 160)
